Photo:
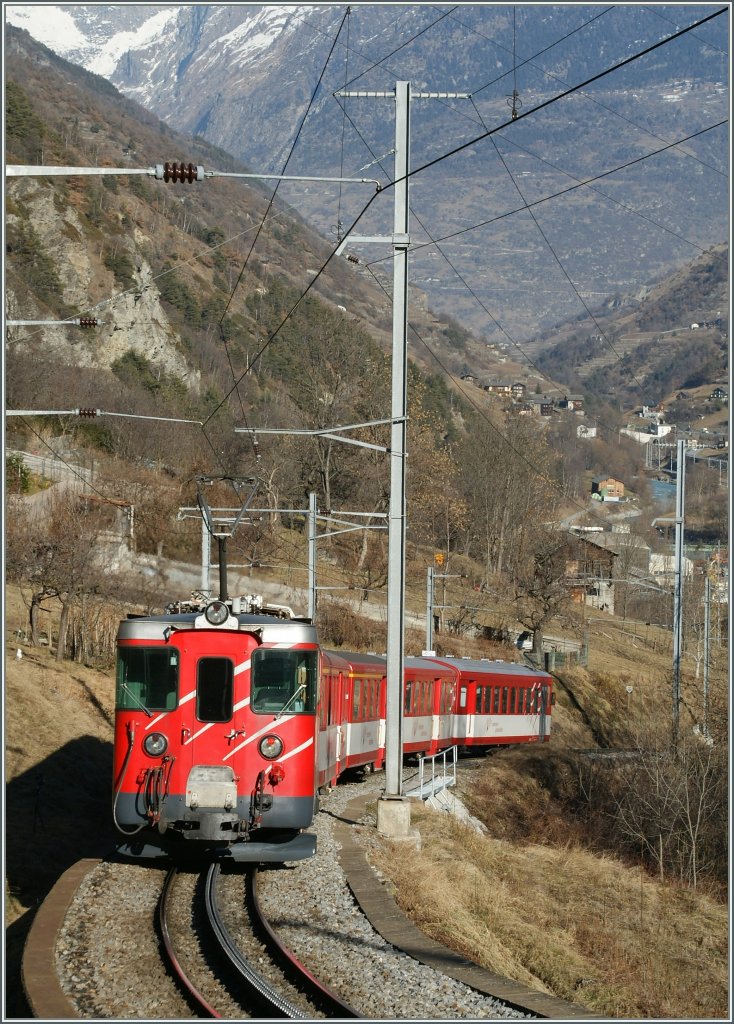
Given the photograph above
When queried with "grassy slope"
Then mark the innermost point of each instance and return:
(553, 915)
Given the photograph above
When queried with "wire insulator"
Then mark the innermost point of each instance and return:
(353, 259)
(180, 172)
(89, 414)
(88, 321)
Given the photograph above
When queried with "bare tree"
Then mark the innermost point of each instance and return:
(56, 553)
(541, 589)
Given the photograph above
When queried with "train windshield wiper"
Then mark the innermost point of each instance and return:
(137, 700)
(291, 699)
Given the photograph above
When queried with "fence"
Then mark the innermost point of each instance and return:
(435, 773)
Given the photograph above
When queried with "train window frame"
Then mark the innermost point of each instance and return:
(207, 702)
(356, 698)
(143, 694)
(283, 679)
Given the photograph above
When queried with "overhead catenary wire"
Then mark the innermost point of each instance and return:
(419, 169)
(237, 381)
(586, 96)
(453, 152)
(557, 195)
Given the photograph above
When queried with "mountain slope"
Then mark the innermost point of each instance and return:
(243, 75)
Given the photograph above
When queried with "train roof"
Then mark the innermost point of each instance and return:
(478, 666)
(376, 661)
(270, 627)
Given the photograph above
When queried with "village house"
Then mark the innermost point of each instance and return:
(589, 573)
(572, 403)
(607, 488)
(498, 388)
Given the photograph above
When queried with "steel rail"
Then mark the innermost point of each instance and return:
(333, 1004)
(229, 947)
(178, 970)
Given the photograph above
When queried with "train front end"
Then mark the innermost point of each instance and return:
(215, 719)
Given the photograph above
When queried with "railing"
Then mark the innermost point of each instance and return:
(436, 773)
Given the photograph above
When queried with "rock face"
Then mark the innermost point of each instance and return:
(133, 321)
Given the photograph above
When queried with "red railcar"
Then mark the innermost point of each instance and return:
(215, 729)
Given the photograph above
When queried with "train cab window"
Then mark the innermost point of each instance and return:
(214, 689)
(147, 678)
(283, 681)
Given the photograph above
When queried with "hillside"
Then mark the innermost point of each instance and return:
(170, 269)
(671, 335)
(57, 792)
(243, 76)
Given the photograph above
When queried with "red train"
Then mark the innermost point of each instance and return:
(227, 724)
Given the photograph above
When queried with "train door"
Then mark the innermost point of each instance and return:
(335, 726)
(543, 713)
(212, 721)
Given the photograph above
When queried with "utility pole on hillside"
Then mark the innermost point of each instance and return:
(393, 811)
(680, 490)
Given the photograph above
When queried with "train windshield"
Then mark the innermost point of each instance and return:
(147, 679)
(283, 681)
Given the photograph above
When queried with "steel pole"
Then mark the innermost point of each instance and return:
(205, 556)
(680, 488)
(429, 609)
(312, 555)
(399, 411)
(706, 652)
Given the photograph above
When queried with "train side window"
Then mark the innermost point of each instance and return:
(495, 700)
(408, 699)
(503, 705)
(513, 701)
(356, 695)
(147, 678)
(214, 689)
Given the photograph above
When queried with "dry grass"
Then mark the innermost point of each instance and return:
(583, 926)
(563, 920)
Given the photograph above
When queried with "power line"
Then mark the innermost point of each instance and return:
(563, 192)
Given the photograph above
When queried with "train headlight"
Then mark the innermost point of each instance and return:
(155, 745)
(216, 613)
(271, 747)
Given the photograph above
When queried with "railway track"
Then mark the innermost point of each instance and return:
(234, 961)
(96, 947)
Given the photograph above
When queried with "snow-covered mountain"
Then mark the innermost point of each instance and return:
(244, 75)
